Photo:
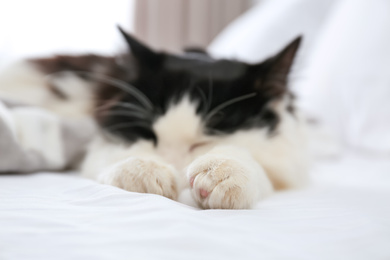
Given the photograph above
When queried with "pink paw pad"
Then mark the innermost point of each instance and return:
(203, 193)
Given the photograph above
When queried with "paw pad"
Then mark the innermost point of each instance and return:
(203, 193)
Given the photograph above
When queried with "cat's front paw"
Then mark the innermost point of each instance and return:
(219, 182)
(144, 176)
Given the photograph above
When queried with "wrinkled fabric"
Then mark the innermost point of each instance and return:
(343, 214)
(32, 139)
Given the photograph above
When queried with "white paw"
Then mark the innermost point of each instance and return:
(143, 175)
(220, 182)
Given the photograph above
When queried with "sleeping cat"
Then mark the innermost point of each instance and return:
(226, 130)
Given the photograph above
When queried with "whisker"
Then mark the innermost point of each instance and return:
(218, 132)
(116, 83)
(123, 86)
(228, 103)
(128, 114)
(124, 105)
(204, 100)
(127, 125)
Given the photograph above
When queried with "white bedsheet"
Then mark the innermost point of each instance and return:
(343, 214)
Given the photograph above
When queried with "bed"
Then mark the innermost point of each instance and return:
(343, 214)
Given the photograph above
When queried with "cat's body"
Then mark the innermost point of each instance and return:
(226, 130)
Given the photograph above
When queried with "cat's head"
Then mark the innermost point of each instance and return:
(227, 95)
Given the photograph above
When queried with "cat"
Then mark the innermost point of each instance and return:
(226, 130)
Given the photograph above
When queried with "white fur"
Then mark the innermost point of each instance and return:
(21, 82)
(235, 170)
(142, 175)
(231, 178)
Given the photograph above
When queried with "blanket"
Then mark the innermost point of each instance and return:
(33, 139)
(343, 214)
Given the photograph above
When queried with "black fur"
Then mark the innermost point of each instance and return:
(164, 79)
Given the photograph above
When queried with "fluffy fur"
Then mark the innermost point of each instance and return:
(226, 130)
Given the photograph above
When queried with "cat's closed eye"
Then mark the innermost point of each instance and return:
(194, 146)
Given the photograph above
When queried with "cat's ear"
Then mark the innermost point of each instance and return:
(274, 71)
(143, 54)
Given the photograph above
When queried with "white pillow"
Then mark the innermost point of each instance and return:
(348, 79)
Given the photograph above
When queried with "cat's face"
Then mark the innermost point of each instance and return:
(157, 93)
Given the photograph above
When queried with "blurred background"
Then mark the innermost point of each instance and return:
(341, 76)
(43, 26)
